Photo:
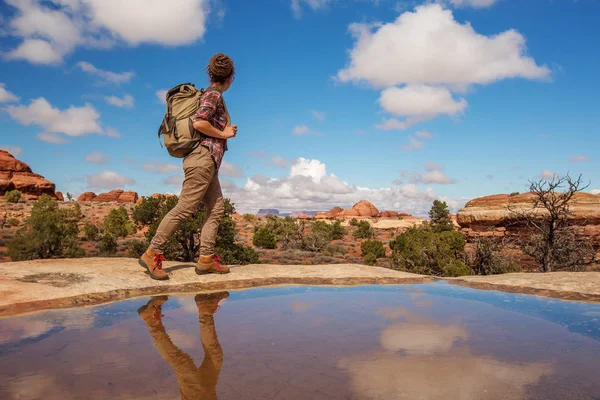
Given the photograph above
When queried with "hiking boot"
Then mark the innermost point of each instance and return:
(152, 261)
(208, 303)
(151, 313)
(210, 264)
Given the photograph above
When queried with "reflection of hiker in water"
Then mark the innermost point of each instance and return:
(194, 382)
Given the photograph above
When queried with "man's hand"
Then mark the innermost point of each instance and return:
(229, 131)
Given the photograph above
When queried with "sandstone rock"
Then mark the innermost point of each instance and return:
(128, 197)
(304, 217)
(6, 185)
(60, 196)
(87, 196)
(360, 209)
(109, 197)
(388, 214)
(331, 214)
(10, 163)
(16, 175)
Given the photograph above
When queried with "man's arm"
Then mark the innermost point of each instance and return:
(209, 130)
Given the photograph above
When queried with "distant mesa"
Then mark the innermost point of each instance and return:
(16, 175)
(263, 212)
(114, 196)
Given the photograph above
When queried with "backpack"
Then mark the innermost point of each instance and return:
(177, 129)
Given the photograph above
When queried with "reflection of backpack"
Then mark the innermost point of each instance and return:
(179, 135)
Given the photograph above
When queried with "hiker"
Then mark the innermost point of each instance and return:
(201, 181)
(194, 382)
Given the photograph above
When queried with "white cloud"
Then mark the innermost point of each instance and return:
(547, 174)
(6, 96)
(111, 132)
(161, 94)
(106, 76)
(52, 138)
(473, 3)
(162, 168)
(436, 177)
(97, 157)
(433, 166)
(52, 29)
(74, 121)
(126, 102)
(108, 180)
(312, 4)
(14, 150)
(301, 130)
(281, 162)
(414, 145)
(309, 187)
(424, 135)
(320, 116)
(579, 158)
(175, 180)
(418, 103)
(428, 46)
(596, 191)
(259, 154)
(229, 169)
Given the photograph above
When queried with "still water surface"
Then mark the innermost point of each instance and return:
(432, 341)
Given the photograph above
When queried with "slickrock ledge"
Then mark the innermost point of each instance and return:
(577, 286)
(56, 284)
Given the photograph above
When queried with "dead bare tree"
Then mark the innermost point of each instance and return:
(553, 243)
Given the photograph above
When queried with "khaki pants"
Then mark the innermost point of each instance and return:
(201, 184)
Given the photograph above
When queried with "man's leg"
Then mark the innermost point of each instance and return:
(215, 207)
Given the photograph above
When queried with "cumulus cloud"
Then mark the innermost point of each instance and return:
(314, 5)
(414, 145)
(14, 150)
(473, 3)
(320, 116)
(161, 168)
(424, 135)
(105, 76)
(161, 95)
(108, 180)
(52, 29)
(74, 121)
(547, 174)
(433, 166)
(281, 162)
(111, 132)
(52, 138)
(579, 158)
(436, 177)
(425, 55)
(301, 130)
(596, 191)
(309, 186)
(230, 170)
(126, 102)
(6, 96)
(175, 180)
(97, 157)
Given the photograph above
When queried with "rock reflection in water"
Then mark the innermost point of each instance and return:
(194, 382)
(420, 359)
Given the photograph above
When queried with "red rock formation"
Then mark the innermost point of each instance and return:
(87, 196)
(304, 217)
(16, 175)
(388, 214)
(360, 209)
(331, 214)
(60, 196)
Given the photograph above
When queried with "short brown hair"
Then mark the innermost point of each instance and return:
(220, 68)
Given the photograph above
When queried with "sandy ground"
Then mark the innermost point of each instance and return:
(51, 284)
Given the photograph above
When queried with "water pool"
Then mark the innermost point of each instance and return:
(427, 341)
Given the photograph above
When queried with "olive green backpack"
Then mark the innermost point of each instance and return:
(177, 129)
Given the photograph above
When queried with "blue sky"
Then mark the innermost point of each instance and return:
(336, 101)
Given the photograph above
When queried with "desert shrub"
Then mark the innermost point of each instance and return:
(425, 251)
(117, 223)
(364, 230)
(13, 222)
(249, 217)
(374, 247)
(107, 244)
(286, 231)
(136, 247)
(14, 196)
(91, 231)
(337, 230)
(336, 249)
(184, 244)
(514, 194)
(370, 259)
(49, 232)
(440, 217)
(488, 260)
(264, 239)
(568, 252)
(320, 235)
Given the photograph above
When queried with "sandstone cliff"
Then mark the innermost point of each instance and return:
(16, 175)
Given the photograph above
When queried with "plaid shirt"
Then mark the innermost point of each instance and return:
(212, 109)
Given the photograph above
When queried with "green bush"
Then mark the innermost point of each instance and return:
(440, 217)
(320, 236)
(489, 261)
(148, 210)
(49, 232)
(117, 223)
(107, 244)
(423, 250)
(363, 230)
(249, 217)
(14, 196)
(264, 239)
(286, 231)
(91, 232)
(136, 247)
(13, 222)
(336, 249)
(374, 247)
(337, 230)
(370, 259)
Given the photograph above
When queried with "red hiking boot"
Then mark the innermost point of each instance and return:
(210, 265)
(152, 261)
